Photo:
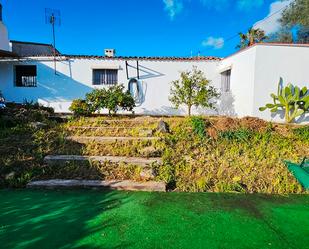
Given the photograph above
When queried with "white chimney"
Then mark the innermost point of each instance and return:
(109, 52)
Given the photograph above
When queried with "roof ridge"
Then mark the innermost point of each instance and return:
(34, 43)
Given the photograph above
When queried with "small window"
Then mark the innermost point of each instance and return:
(25, 76)
(105, 77)
(226, 81)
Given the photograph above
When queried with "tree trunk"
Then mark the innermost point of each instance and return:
(189, 110)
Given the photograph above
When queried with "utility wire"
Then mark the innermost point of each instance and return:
(266, 19)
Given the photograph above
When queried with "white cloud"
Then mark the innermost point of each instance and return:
(213, 42)
(271, 23)
(247, 5)
(173, 7)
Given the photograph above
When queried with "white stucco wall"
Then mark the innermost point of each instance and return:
(74, 80)
(254, 76)
(242, 67)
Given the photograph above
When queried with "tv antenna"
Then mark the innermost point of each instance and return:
(53, 18)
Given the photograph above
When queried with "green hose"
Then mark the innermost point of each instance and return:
(300, 172)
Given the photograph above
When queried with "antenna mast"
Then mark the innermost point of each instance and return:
(53, 17)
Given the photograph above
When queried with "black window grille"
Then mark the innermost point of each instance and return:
(105, 77)
(26, 76)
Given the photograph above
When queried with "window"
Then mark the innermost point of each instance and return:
(226, 81)
(105, 76)
(25, 76)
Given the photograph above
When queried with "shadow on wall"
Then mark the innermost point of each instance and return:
(302, 119)
(226, 105)
(145, 72)
(59, 87)
(170, 111)
(164, 110)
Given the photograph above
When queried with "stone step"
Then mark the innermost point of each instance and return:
(143, 162)
(84, 139)
(128, 185)
(98, 128)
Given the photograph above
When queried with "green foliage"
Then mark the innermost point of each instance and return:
(251, 37)
(193, 89)
(112, 99)
(97, 99)
(291, 99)
(239, 161)
(302, 132)
(240, 135)
(118, 99)
(296, 14)
(80, 107)
(199, 127)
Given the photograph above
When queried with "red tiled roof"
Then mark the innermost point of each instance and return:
(156, 58)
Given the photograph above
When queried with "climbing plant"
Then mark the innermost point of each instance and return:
(290, 99)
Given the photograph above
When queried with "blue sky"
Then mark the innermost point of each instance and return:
(141, 27)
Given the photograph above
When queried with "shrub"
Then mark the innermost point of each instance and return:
(97, 99)
(198, 125)
(240, 135)
(112, 99)
(80, 107)
(118, 99)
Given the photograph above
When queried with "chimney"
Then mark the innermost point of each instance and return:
(109, 52)
(0, 12)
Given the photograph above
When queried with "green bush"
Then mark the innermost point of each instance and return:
(118, 99)
(112, 99)
(97, 99)
(80, 107)
(199, 127)
(240, 135)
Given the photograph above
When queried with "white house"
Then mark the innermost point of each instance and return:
(246, 78)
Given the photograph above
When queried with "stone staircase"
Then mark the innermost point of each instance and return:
(129, 130)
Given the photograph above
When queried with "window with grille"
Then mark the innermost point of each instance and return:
(226, 81)
(105, 77)
(26, 76)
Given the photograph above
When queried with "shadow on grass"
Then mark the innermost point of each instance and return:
(56, 219)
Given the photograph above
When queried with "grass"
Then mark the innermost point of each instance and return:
(202, 154)
(96, 219)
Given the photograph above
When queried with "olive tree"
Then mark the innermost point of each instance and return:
(193, 89)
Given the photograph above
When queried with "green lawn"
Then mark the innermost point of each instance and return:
(96, 219)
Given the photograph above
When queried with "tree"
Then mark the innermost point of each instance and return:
(296, 16)
(193, 89)
(290, 99)
(251, 37)
(284, 35)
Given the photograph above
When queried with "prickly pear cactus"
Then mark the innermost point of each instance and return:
(291, 99)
